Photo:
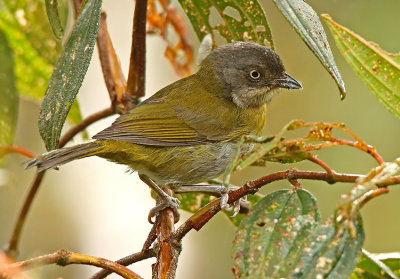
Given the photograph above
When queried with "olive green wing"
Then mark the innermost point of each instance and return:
(175, 119)
(151, 124)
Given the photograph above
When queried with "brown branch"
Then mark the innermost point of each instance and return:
(150, 238)
(146, 254)
(13, 243)
(84, 124)
(63, 258)
(201, 217)
(137, 65)
(111, 68)
(168, 248)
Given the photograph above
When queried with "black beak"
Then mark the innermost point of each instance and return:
(286, 81)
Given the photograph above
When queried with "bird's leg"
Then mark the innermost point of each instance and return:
(227, 176)
(205, 188)
(167, 201)
(216, 190)
(257, 139)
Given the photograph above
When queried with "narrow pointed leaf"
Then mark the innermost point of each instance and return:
(8, 94)
(270, 239)
(307, 24)
(233, 20)
(370, 267)
(54, 18)
(68, 74)
(378, 69)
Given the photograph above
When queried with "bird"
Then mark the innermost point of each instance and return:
(187, 132)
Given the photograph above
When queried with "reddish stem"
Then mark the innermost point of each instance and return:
(5, 149)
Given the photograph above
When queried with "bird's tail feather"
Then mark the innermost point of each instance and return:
(61, 156)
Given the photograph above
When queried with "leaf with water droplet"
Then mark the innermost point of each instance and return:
(378, 69)
(229, 20)
(307, 24)
(68, 74)
(8, 95)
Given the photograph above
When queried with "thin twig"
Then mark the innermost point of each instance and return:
(143, 255)
(13, 243)
(201, 217)
(322, 164)
(63, 258)
(137, 65)
(150, 238)
(375, 193)
(84, 124)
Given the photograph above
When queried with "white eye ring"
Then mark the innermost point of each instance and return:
(254, 74)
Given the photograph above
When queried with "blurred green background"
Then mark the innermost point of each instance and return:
(93, 207)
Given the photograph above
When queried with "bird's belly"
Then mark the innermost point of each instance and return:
(180, 164)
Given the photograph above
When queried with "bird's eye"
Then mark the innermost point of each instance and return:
(254, 74)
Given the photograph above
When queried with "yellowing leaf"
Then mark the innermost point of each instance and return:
(379, 69)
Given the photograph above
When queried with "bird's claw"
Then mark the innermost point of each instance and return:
(170, 202)
(225, 198)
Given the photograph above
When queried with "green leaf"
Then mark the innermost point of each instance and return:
(68, 74)
(379, 69)
(30, 17)
(54, 18)
(331, 252)
(369, 267)
(233, 20)
(281, 238)
(270, 240)
(392, 260)
(307, 24)
(8, 94)
(32, 68)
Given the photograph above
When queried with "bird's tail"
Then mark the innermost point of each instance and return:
(61, 156)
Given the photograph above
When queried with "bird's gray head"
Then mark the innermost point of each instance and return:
(249, 72)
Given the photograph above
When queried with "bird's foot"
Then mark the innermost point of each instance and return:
(224, 201)
(167, 201)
